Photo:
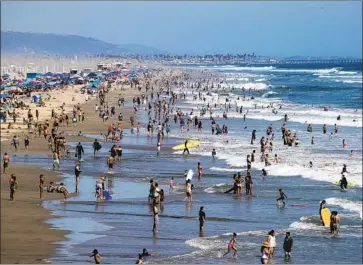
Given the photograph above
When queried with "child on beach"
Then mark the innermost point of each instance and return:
(171, 186)
(214, 153)
(231, 246)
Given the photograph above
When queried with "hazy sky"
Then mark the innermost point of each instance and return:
(266, 28)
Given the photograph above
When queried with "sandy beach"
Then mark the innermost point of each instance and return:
(196, 93)
(25, 237)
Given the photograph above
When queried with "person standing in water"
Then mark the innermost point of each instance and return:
(171, 186)
(200, 170)
(77, 172)
(288, 244)
(41, 186)
(110, 162)
(96, 256)
(202, 219)
(214, 153)
(271, 239)
(231, 246)
(79, 151)
(156, 218)
(282, 196)
(265, 254)
(186, 147)
(188, 190)
(322, 206)
(158, 145)
(334, 223)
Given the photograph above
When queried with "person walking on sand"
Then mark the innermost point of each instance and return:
(79, 151)
(41, 185)
(26, 142)
(77, 173)
(202, 219)
(96, 256)
(231, 246)
(6, 160)
(13, 186)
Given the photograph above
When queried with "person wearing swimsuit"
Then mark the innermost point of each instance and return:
(265, 253)
(200, 170)
(231, 246)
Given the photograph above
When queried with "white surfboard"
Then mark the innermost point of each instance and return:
(189, 175)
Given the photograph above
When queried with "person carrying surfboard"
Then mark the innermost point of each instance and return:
(186, 147)
(322, 206)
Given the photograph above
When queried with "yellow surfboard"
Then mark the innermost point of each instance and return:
(325, 215)
(190, 144)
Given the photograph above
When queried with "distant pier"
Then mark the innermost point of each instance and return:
(335, 61)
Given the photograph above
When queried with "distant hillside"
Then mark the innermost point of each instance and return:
(64, 45)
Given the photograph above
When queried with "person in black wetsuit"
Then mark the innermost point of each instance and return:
(186, 147)
(343, 182)
(79, 151)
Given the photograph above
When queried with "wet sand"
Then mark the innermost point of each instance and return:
(25, 237)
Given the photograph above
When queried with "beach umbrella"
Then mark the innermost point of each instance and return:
(6, 75)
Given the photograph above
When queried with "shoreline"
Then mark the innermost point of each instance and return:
(29, 221)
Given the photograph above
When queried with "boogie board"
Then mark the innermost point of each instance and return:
(107, 195)
(190, 144)
(325, 215)
(189, 175)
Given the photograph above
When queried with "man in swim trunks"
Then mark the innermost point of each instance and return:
(288, 244)
(77, 172)
(231, 246)
(202, 218)
(282, 196)
(110, 162)
(6, 160)
(334, 222)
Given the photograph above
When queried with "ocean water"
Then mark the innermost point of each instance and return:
(120, 228)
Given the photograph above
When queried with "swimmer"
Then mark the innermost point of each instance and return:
(351, 154)
(264, 174)
(231, 246)
(344, 143)
(343, 182)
